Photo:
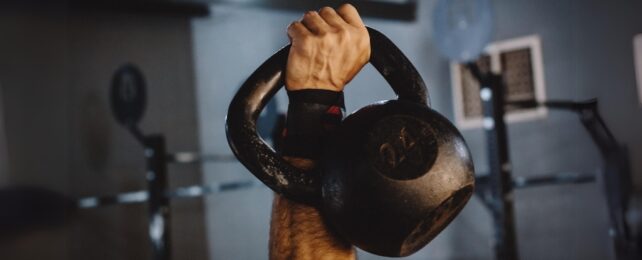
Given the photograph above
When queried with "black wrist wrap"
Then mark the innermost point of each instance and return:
(312, 115)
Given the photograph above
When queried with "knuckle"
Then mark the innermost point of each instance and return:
(305, 40)
(330, 38)
(326, 10)
(345, 7)
(328, 42)
(342, 30)
(293, 24)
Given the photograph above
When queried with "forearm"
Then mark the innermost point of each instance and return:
(297, 231)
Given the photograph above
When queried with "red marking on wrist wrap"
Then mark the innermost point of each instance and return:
(334, 110)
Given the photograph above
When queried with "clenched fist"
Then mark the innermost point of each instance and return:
(328, 49)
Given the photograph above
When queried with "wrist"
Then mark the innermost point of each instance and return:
(296, 85)
(312, 115)
(315, 95)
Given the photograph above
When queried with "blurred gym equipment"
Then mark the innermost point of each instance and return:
(495, 189)
(25, 209)
(128, 84)
(462, 28)
(616, 178)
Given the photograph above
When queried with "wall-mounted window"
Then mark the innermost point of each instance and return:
(519, 60)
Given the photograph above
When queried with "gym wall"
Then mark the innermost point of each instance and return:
(56, 64)
(587, 53)
(228, 46)
(4, 160)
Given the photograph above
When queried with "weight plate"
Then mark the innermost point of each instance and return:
(128, 94)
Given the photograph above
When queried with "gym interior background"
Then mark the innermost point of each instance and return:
(57, 60)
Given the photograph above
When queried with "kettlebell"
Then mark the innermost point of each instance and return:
(394, 174)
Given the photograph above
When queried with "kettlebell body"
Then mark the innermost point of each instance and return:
(393, 175)
(394, 170)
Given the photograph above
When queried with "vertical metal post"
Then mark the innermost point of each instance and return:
(159, 218)
(492, 97)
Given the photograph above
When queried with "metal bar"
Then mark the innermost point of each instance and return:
(195, 157)
(482, 190)
(561, 178)
(122, 198)
(589, 116)
(141, 196)
(553, 179)
(598, 130)
(204, 190)
(159, 211)
(573, 106)
(500, 179)
(500, 169)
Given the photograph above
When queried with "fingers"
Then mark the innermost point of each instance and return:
(297, 30)
(350, 15)
(327, 20)
(331, 17)
(313, 21)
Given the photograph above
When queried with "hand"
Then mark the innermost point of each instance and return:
(328, 49)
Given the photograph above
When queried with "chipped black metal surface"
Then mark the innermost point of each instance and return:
(395, 216)
(401, 147)
(395, 67)
(260, 87)
(249, 147)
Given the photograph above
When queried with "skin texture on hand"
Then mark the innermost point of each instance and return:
(328, 49)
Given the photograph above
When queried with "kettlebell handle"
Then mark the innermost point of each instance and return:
(262, 85)
(396, 69)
